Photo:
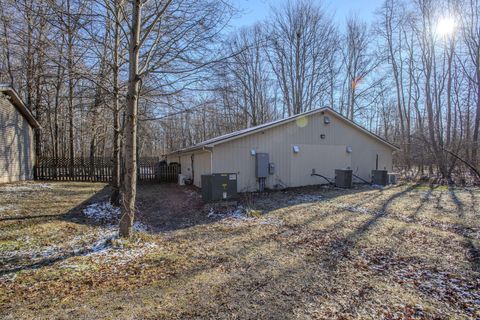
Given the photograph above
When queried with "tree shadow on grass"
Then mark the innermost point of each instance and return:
(98, 246)
(423, 201)
(73, 214)
(469, 244)
(338, 251)
(346, 244)
(242, 249)
(250, 288)
(283, 292)
(169, 207)
(279, 200)
(28, 260)
(41, 216)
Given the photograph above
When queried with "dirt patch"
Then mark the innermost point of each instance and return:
(168, 207)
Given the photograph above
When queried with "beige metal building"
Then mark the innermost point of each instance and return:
(320, 140)
(17, 124)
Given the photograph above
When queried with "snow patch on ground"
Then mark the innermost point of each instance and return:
(6, 207)
(123, 255)
(98, 246)
(440, 284)
(272, 221)
(241, 214)
(306, 198)
(102, 212)
(425, 196)
(76, 247)
(358, 209)
(238, 213)
(138, 226)
(21, 187)
(104, 249)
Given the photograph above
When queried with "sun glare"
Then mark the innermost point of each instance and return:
(446, 26)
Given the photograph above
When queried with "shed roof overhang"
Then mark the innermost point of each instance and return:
(21, 107)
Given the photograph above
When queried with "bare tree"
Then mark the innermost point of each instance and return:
(359, 63)
(470, 14)
(168, 49)
(303, 39)
(251, 78)
(393, 31)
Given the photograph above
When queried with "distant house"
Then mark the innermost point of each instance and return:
(321, 140)
(17, 126)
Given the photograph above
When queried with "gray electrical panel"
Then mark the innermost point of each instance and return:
(219, 186)
(261, 165)
(343, 178)
(380, 177)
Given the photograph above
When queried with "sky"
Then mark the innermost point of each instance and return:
(257, 10)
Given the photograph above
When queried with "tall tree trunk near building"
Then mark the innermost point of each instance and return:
(476, 130)
(395, 48)
(70, 66)
(471, 39)
(115, 195)
(130, 157)
(427, 46)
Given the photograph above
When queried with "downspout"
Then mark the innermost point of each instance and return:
(192, 157)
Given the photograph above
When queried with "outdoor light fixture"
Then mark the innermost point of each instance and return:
(253, 152)
(349, 149)
(326, 120)
(296, 149)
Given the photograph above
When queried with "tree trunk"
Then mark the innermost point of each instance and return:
(476, 128)
(70, 65)
(130, 181)
(115, 196)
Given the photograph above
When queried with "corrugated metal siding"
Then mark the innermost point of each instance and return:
(234, 156)
(16, 144)
(364, 149)
(201, 165)
(186, 165)
(323, 158)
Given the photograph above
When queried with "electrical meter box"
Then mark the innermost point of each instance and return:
(219, 186)
(343, 178)
(271, 168)
(261, 165)
(380, 177)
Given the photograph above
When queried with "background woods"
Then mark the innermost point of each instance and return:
(411, 76)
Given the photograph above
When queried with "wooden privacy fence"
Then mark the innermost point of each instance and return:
(101, 169)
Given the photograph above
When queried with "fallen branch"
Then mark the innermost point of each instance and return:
(464, 161)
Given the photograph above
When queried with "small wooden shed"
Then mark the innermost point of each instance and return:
(321, 140)
(17, 125)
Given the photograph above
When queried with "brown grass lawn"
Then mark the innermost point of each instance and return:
(408, 251)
